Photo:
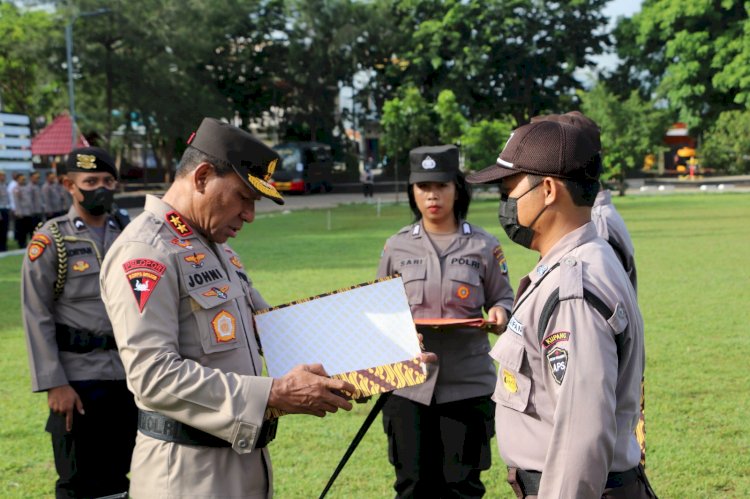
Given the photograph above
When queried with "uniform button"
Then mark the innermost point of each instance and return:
(620, 312)
(540, 270)
(570, 262)
(242, 444)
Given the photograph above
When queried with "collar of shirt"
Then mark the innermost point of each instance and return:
(464, 229)
(603, 197)
(565, 245)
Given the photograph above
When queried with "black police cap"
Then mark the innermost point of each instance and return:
(433, 164)
(250, 158)
(90, 159)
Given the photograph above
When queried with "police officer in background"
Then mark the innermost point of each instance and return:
(439, 432)
(71, 347)
(5, 211)
(52, 197)
(571, 361)
(181, 303)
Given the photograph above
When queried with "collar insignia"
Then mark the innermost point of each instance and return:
(178, 225)
(78, 223)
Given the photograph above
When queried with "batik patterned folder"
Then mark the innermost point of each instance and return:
(363, 334)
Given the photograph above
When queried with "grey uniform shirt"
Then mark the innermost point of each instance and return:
(4, 196)
(52, 198)
(181, 307)
(79, 306)
(23, 201)
(37, 203)
(473, 276)
(611, 227)
(566, 405)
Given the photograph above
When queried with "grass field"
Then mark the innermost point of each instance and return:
(693, 256)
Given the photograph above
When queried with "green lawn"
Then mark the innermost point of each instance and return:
(694, 288)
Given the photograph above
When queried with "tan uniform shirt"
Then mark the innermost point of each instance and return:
(565, 405)
(181, 307)
(611, 227)
(52, 198)
(79, 306)
(473, 276)
(23, 200)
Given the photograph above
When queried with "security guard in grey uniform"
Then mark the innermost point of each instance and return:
(571, 361)
(181, 302)
(439, 432)
(72, 350)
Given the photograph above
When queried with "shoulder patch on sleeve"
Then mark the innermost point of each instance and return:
(143, 275)
(557, 358)
(497, 252)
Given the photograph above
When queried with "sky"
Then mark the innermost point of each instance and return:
(613, 10)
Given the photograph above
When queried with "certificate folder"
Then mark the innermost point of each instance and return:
(363, 334)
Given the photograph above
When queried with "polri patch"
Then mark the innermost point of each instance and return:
(497, 251)
(143, 275)
(558, 363)
(178, 225)
(555, 338)
(35, 250)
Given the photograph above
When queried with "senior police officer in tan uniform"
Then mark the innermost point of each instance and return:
(71, 347)
(571, 361)
(439, 432)
(181, 303)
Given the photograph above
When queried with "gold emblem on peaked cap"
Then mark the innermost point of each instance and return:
(86, 161)
(271, 168)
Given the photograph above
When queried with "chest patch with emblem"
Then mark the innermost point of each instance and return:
(463, 292)
(509, 381)
(196, 260)
(143, 275)
(81, 266)
(182, 243)
(557, 358)
(224, 326)
(218, 292)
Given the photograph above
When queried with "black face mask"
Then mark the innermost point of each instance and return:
(508, 215)
(97, 201)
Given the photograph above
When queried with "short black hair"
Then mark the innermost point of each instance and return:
(460, 207)
(192, 157)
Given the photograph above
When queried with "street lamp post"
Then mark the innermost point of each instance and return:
(69, 56)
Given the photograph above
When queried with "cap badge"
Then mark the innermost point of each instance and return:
(271, 169)
(428, 163)
(86, 161)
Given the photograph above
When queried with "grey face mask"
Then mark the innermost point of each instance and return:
(508, 216)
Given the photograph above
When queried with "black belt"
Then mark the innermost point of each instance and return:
(70, 339)
(530, 480)
(164, 428)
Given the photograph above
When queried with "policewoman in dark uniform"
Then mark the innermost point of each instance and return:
(439, 432)
(72, 351)
(181, 302)
(571, 361)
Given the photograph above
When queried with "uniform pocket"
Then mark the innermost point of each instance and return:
(513, 387)
(83, 277)
(220, 326)
(414, 281)
(466, 287)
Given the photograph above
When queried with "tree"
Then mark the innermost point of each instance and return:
(694, 54)
(26, 40)
(408, 122)
(726, 146)
(483, 142)
(451, 123)
(631, 128)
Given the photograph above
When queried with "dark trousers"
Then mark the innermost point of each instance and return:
(4, 223)
(93, 459)
(368, 190)
(439, 451)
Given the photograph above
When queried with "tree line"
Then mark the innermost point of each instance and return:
(428, 71)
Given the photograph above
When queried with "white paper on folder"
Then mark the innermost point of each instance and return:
(355, 329)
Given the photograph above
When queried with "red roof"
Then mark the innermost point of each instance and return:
(55, 139)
